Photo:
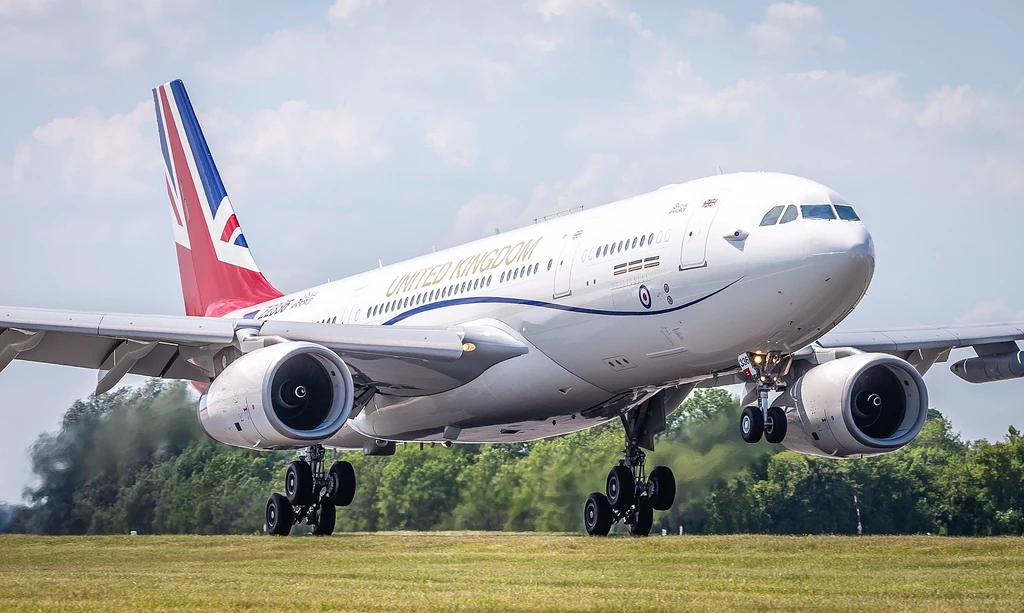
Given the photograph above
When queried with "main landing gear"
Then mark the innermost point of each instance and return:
(310, 494)
(631, 495)
(766, 372)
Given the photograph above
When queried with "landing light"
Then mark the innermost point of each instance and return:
(468, 347)
(757, 359)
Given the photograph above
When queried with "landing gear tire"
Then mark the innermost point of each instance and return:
(598, 515)
(620, 488)
(341, 484)
(751, 424)
(775, 427)
(642, 521)
(661, 488)
(279, 515)
(298, 484)
(323, 520)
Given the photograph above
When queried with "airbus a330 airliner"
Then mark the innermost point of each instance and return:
(617, 311)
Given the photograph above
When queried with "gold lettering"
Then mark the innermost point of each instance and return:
(514, 253)
(501, 256)
(488, 259)
(444, 269)
(528, 249)
(392, 288)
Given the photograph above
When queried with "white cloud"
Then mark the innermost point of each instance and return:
(601, 179)
(700, 22)
(793, 27)
(343, 9)
(955, 106)
(95, 154)
(297, 137)
(454, 140)
(616, 10)
(990, 311)
(10, 8)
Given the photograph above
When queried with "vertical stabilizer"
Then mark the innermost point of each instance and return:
(218, 272)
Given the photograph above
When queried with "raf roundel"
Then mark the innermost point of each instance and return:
(645, 297)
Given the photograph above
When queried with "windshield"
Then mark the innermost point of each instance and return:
(817, 211)
(772, 216)
(846, 212)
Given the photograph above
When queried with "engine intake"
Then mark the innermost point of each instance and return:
(865, 404)
(283, 396)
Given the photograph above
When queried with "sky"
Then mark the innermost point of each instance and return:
(354, 130)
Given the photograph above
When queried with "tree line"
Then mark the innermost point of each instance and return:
(136, 459)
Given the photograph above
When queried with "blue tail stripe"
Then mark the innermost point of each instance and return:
(163, 141)
(212, 184)
(546, 305)
(240, 241)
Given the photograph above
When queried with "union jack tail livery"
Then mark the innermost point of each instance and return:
(218, 273)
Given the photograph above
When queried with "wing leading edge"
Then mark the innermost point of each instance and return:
(399, 360)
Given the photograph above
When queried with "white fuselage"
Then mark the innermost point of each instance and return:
(613, 302)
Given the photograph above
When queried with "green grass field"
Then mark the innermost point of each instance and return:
(513, 572)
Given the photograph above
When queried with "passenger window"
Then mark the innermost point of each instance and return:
(846, 212)
(642, 239)
(772, 216)
(634, 242)
(650, 239)
(817, 211)
(790, 214)
(476, 283)
(549, 264)
(515, 274)
(489, 280)
(605, 252)
(620, 245)
(536, 267)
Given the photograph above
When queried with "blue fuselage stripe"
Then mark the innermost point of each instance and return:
(545, 305)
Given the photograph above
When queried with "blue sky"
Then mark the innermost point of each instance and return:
(365, 129)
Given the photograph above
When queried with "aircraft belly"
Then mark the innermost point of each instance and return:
(520, 394)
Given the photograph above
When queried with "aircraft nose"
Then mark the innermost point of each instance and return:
(849, 238)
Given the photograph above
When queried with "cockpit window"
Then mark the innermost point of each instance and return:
(846, 213)
(790, 214)
(817, 211)
(772, 216)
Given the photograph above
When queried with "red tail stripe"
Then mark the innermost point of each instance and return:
(229, 228)
(174, 207)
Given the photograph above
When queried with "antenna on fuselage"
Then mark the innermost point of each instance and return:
(719, 167)
(497, 231)
(379, 263)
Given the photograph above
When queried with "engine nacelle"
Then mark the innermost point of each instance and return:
(282, 396)
(862, 405)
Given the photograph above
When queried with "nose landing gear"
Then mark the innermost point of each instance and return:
(766, 371)
(310, 494)
(631, 495)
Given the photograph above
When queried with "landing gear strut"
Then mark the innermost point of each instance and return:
(310, 494)
(631, 495)
(766, 372)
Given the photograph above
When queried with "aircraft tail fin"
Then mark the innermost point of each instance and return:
(218, 272)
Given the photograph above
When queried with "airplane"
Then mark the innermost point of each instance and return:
(613, 312)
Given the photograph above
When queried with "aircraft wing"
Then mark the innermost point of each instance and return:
(925, 346)
(399, 360)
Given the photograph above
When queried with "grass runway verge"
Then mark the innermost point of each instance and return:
(509, 572)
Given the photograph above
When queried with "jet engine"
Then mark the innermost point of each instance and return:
(862, 405)
(282, 396)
